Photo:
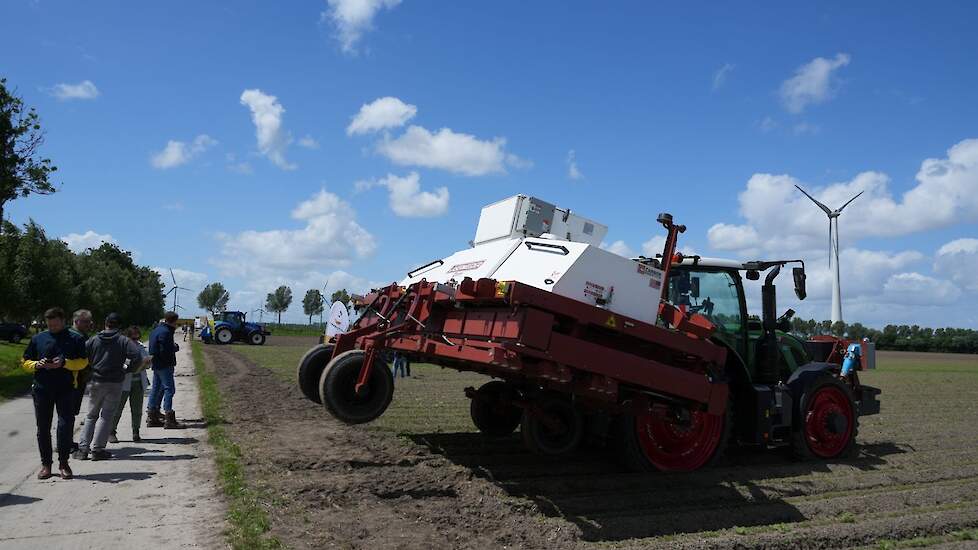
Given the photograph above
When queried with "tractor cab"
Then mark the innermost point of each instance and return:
(233, 318)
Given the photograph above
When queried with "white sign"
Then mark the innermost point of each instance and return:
(339, 319)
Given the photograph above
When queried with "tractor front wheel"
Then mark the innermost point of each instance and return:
(552, 426)
(223, 335)
(311, 368)
(492, 410)
(256, 338)
(827, 422)
(338, 388)
(671, 438)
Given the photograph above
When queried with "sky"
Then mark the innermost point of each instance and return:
(349, 141)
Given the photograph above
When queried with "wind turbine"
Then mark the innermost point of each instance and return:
(833, 251)
(174, 289)
(322, 297)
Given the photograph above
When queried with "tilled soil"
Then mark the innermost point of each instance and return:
(916, 475)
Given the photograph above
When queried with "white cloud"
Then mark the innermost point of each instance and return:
(266, 114)
(720, 76)
(812, 83)
(914, 288)
(447, 150)
(406, 197)
(178, 152)
(785, 221)
(768, 124)
(572, 171)
(959, 260)
(352, 18)
(385, 112)
(656, 243)
(309, 142)
(83, 90)
(79, 242)
(619, 247)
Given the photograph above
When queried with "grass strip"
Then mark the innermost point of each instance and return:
(14, 381)
(248, 523)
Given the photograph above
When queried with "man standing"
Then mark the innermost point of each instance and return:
(107, 354)
(54, 356)
(82, 326)
(164, 352)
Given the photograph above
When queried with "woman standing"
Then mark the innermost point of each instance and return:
(134, 385)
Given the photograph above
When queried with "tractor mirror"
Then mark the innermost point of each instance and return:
(694, 287)
(753, 274)
(798, 274)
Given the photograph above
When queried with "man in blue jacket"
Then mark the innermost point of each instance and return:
(164, 352)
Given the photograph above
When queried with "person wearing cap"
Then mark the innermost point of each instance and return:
(107, 354)
(54, 356)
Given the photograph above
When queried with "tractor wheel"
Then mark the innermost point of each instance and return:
(827, 421)
(552, 426)
(337, 388)
(491, 410)
(674, 439)
(223, 335)
(310, 369)
(256, 338)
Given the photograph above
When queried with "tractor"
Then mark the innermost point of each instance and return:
(231, 326)
(657, 356)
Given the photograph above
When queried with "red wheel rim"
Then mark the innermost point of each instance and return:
(828, 422)
(675, 445)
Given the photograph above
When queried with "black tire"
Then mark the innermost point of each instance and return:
(310, 369)
(256, 338)
(635, 459)
(801, 447)
(223, 335)
(492, 413)
(337, 388)
(540, 439)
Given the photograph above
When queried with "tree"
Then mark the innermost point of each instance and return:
(279, 301)
(213, 298)
(340, 295)
(313, 303)
(838, 329)
(22, 170)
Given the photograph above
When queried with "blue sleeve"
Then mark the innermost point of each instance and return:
(30, 353)
(152, 342)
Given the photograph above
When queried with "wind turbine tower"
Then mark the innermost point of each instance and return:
(833, 216)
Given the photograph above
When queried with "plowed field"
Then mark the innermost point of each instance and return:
(421, 477)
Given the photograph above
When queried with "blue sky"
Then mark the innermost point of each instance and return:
(228, 140)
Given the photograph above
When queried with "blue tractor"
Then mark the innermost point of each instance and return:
(231, 326)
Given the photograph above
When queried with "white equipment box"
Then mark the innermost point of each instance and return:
(523, 216)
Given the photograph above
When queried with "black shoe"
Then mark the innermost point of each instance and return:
(136, 438)
(101, 454)
(80, 454)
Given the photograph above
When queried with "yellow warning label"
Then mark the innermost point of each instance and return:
(611, 322)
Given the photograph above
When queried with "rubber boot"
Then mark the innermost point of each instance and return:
(153, 418)
(171, 421)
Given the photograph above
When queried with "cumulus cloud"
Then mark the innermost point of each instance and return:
(914, 288)
(958, 259)
(79, 242)
(406, 197)
(619, 247)
(784, 220)
(266, 114)
(814, 82)
(193, 280)
(382, 113)
(83, 90)
(352, 18)
(572, 171)
(447, 150)
(720, 76)
(179, 152)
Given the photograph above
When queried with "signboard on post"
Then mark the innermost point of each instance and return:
(339, 319)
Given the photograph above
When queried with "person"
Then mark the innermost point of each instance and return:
(401, 364)
(133, 386)
(54, 356)
(107, 354)
(164, 352)
(82, 325)
(185, 330)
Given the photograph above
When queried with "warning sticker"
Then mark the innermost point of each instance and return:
(593, 290)
(655, 278)
(469, 266)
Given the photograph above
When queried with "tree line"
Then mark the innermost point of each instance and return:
(214, 298)
(894, 337)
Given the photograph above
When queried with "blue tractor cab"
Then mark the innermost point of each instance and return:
(231, 326)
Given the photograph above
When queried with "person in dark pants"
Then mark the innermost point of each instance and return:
(164, 352)
(55, 356)
(82, 326)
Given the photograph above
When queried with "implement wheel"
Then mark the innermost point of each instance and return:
(671, 438)
(337, 388)
(552, 426)
(311, 368)
(491, 410)
(827, 422)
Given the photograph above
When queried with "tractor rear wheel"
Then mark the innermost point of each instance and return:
(671, 438)
(223, 335)
(311, 368)
(552, 426)
(338, 393)
(256, 338)
(827, 422)
(492, 411)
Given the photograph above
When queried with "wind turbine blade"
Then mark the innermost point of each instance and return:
(826, 209)
(175, 279)
(850, 200)
(171, 291)
(830, 243)
(182, 288)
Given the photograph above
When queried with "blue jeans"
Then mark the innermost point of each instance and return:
(162, 389)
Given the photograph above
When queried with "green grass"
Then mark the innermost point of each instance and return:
(14, 380)
(294, 330)
(248, 523)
